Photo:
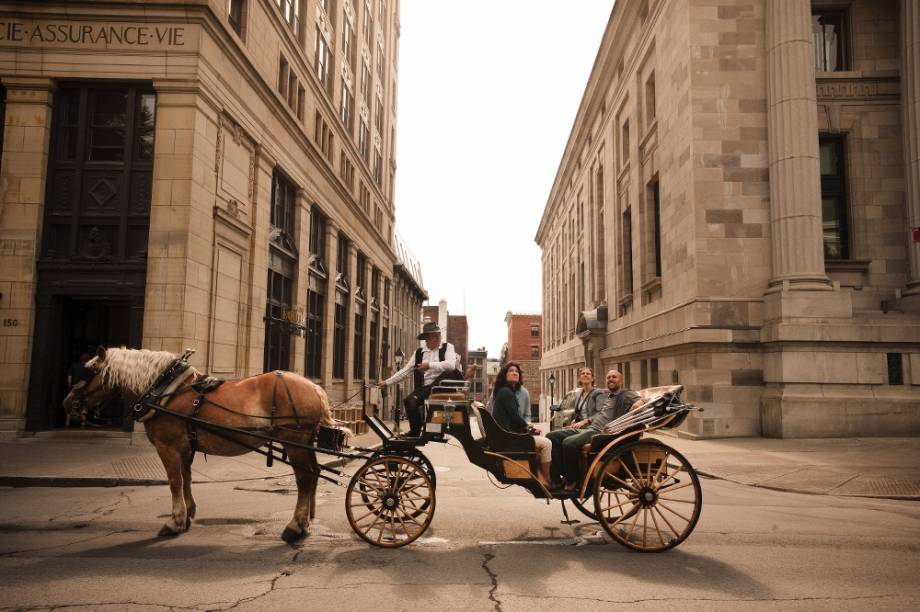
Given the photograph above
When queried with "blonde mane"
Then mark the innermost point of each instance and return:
(132, 370)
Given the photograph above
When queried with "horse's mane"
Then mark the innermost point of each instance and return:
(133, 370)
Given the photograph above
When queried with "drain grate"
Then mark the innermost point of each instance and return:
(141, 468)
(892, 486)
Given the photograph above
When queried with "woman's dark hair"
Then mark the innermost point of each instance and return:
(501, 380)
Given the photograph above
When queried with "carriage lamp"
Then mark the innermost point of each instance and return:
(398, 358)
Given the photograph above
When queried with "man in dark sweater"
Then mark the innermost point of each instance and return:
(567, 442)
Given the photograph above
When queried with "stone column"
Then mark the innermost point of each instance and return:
(302, 223)
(910, 105)
(792, 128)
(27, 133)
(350, 319)
(332, 244)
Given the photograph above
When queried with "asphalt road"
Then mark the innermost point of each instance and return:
(487, 549)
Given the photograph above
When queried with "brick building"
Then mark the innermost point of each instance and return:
(480, 383)
(525, 345)
(454, 328)
(210, 174)
(733, 211)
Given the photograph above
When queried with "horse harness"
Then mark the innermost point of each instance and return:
(171, 382)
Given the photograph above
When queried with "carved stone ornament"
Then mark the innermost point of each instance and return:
(96, 246)
(346, 73)
(349, 11)
(219, 147)
(365, 113)
(233, 207)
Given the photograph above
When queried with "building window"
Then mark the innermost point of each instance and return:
(341, 259)
(366, 83)
(624, 144)
(895, 369)
(378, 167)
(654, 226)
(358, 370)
(367, 22)
(322, 61)
(323, 136)
(347, 107)
(277, 335)
(834, 208)
(627, 256)
(364, 145)
(316, 305)
(534, 331)
(830, 40)
(348, 45)
(290, 12)
(378, 115)
(364, 198)
(534, 351)
(235, 15)
(378, 218)
(284, 194)
(346, 171)
(338, 337)
(361, 274)
(650, 101)
(372, 350)
(317, 235)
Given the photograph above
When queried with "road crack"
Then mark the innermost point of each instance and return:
(493, 577)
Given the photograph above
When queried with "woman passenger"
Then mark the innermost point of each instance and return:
(505, 411)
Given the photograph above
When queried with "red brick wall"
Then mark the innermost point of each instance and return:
(457, 334)
(519, 343)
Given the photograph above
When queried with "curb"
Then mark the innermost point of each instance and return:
(804, 492)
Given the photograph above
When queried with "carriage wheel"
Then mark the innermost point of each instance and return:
(390, 501)
(424, 463)
(582, 505)
(648, 496)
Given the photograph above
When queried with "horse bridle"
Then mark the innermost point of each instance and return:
(79, 388)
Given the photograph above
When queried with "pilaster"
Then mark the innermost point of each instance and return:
(302, 225)
(332, 244)
(27, 133)
(910, 107)
(350, 320)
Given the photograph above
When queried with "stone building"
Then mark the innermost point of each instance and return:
(525, 346)
(212, 174)
(736, 210)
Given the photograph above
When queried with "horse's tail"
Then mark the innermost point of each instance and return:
(327, 419)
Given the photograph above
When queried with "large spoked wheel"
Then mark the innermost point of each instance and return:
(647, 496)
(390, 501)
(583, 507)
(417, 458)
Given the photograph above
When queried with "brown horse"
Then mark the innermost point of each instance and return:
(288, 406)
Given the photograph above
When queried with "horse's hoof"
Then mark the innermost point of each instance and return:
(290, 536)
(166, 532)
(188, 523)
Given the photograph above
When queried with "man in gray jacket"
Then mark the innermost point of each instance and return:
(617, 403)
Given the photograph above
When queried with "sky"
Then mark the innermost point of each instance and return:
(488, 92)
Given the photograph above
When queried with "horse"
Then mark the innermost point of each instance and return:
(282, 404)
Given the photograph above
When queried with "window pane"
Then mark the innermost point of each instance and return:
(109, 117)
(146, 120)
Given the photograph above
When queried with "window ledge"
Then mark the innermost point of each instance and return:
(626, 300)
(847, 265)
(649, 131)
(652, 284)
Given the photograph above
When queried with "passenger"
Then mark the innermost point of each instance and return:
(432, 363)
(569, 441)
(588, 401)
(507, 415)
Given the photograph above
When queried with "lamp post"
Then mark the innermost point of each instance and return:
(552, 388)
(398, 358)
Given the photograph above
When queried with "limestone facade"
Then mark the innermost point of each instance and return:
(266, 129)
(733, 212)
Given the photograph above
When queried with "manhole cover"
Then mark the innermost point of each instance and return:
(141, 468)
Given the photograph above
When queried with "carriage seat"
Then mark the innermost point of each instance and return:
(601, 440)
(500, 440)
(441, 396)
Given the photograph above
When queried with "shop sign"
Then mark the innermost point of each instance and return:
(41, 33)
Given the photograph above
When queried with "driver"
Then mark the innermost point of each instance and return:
(433, 363)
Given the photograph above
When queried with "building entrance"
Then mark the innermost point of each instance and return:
(93, 263)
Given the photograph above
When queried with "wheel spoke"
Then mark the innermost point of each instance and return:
(665, 506)
(667, 522)
(679, 501)
(657, 528)
(644, 526)
(628, 486)
(629, 472)
(675, 487)
(633, 501)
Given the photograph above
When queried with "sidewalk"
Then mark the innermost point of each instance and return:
(99, 460)
(863, 467)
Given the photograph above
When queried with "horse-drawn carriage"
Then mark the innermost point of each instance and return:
(643, 493)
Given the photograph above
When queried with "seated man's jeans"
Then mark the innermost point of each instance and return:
(567, 445)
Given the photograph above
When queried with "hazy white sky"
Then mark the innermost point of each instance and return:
(488, 91)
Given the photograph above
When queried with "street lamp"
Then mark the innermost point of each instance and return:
(552, 388)
(398, 358)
